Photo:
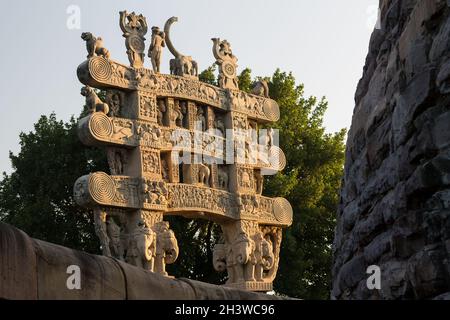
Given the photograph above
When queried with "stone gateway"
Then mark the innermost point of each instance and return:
(178, 146)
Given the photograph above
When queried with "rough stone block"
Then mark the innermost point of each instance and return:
(352, 272)
(394, 284)
(427, 273)
(379, 245)
(441, 132)
(101, 277)
(18, 280)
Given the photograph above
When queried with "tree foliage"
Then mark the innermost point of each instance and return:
(208, 75)
(245, 80)
(37, 196)
(311, 183)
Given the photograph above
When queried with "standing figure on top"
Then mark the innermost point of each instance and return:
(155, 50)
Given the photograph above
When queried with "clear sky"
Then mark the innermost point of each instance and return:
(323, 43)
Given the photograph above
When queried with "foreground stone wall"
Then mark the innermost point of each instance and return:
(395, 198)
(33, 269)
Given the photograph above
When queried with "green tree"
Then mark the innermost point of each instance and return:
(208, 75)
(311, 183)
(37, 196)
(245, 80)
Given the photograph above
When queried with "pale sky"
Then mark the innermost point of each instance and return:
(323, 42)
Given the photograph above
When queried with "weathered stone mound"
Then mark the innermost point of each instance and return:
(33, 269)
(395, 197)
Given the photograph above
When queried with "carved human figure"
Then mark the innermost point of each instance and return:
(222, 179)
(114, 101)
(165, 169)
(177, 114)
(116, 160)
(201, 119)
(94, 45)
(161, 111)
(268, 257)
(203, 174)
(259, 182)
(166, 247)
(115, 241)
(101, 231)
(220, 126)
(155, 50)
(93, 102)
(264, 256)
(245, 180)
(150, 196)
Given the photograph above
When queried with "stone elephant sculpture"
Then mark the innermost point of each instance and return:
(142, 248)
(166, 247)
(243, 258)
(219, 257)
(203, 174)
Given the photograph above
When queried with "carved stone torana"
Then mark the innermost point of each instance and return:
(178, 146)
(134, 29)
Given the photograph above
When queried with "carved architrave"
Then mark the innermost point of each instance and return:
(190, 199)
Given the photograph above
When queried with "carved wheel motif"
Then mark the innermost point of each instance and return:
(100, 69)
(136, 43)
(277, 158)
(102, 187)
(229, 69)
(282, 210)
(100, 125)
(271, 110)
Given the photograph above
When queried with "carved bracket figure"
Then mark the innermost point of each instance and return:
(182, 65)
